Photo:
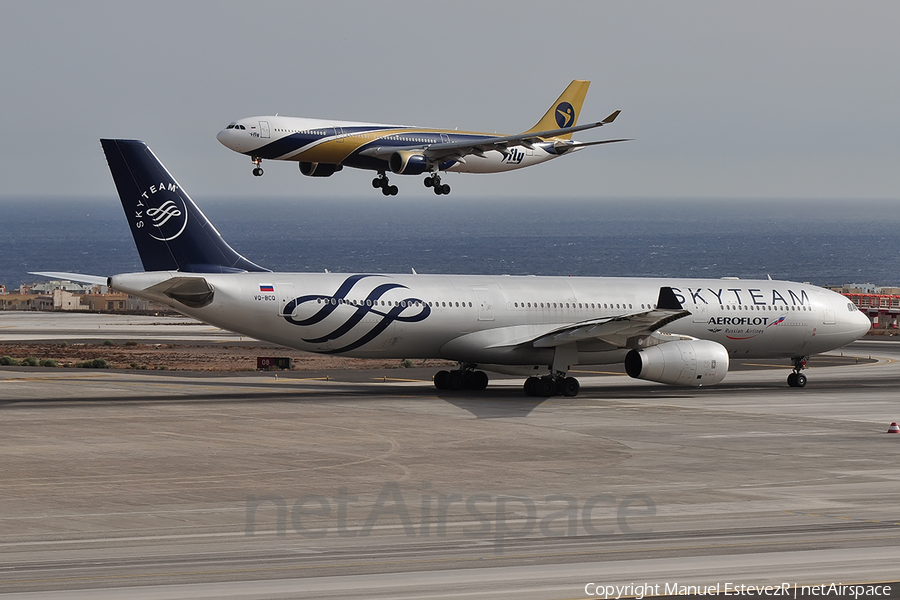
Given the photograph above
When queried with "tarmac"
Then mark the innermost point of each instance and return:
(190, 485)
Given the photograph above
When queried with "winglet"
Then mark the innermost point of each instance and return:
(668, 300)
(611, 118)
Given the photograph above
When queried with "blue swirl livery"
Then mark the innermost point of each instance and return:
(370, 306)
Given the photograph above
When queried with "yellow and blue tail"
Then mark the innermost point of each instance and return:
(564, 112)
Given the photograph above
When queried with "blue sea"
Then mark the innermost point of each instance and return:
(822, 242)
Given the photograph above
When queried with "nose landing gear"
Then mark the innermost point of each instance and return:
(257, 171)
(798, 379)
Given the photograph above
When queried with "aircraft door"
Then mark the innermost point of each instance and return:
(700, 313)
(485, 306)
(339, 132)
(445, 139)
(284, 293)
(264, 129)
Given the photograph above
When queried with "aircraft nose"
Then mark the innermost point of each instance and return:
(861, 324)
(223, 136)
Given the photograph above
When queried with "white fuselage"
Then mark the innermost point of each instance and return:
(491, 320)
(345, 143)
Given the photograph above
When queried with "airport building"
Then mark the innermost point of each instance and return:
(66, 295)
(881, 304)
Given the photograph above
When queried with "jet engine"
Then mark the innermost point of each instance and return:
(311, 169)
(686, 362)
(406, 162)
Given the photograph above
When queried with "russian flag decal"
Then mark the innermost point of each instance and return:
(266, 287)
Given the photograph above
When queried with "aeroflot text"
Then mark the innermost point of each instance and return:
(640, 590)
(738, 321)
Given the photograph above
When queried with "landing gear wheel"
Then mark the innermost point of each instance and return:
(257, 172)
(545, 387)
(455, 381)
(429, 182)
(797, 380)
(445, 189)
(438, 190)
(530, 384)
(477, 380)
(382, 182)
(442, 380)
(569, 386)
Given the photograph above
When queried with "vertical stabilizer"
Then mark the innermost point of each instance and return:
(565, 111)
(171, 233)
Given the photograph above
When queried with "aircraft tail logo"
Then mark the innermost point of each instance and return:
(165, 213)
(565, 115)
(170, 231)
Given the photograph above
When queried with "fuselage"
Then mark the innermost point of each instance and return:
(492, 320)
(346, 143)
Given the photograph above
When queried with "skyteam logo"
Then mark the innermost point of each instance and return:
(165, 210)
(565, 115)
(348, 313)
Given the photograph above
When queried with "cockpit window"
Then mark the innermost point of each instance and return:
(851, 307)
(231, 126)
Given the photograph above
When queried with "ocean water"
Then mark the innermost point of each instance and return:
(822, 242)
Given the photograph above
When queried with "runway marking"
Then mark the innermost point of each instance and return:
(408, 560)
(858, 519)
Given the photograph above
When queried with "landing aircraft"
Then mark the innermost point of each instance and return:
(324, 147)
(667, 330)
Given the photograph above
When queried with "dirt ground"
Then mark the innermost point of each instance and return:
(184, 357)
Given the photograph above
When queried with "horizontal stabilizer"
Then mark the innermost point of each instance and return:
(80, 278)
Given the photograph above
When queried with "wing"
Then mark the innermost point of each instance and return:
(459, 150)
(624, 331)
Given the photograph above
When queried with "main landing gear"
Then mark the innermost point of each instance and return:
(798, 379)
(434, 181)
(257, 171)
(552, 385)
(382, 182)
(463, 378)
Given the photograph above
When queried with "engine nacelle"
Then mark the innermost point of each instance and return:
(406, 162)
(311, 169)
(687, 362)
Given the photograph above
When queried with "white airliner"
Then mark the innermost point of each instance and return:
(674, 331)
(325, 147)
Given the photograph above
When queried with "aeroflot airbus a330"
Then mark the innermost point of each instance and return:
(325, 147)
(675, 331)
